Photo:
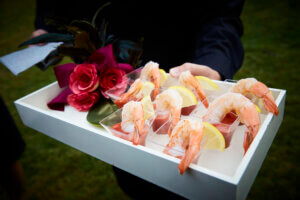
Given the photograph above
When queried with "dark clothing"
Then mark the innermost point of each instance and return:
(201, 32)
(137, 188)
(12, 144)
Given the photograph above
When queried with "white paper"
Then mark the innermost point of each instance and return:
(22, 60)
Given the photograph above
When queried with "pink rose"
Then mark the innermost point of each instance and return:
(83, 101)
(84, 78)
(113, 78)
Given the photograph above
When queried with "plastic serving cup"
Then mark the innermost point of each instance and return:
(112, 124)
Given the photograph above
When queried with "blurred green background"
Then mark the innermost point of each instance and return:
(56, 171)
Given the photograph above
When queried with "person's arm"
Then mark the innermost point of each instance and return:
(219, 46)
(219, 51)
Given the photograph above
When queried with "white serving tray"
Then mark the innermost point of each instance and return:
(199, 181)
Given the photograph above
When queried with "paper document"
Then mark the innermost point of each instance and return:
(22, 60)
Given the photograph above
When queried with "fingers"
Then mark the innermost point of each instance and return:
(195, 69)
(36, 33)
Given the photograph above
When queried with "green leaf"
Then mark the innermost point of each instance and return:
(98, 11)
(49, 37)
(100, 110)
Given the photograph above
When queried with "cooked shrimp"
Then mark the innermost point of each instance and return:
(150, 72)
(252, 86)
(242, 106)
(133, 120)
(130, 94)
(186, 137)
(189, 81)
(170, 101)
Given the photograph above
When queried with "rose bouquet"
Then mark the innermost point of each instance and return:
(86, 82)
(100, 63)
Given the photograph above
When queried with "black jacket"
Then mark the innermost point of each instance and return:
(203, 32)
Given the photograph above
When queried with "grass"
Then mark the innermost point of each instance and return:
(56, 171)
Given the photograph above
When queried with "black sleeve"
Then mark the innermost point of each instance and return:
(218, 42)
(39, 22)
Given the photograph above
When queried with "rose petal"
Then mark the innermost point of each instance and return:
(62, 73)
(125, 67)
(84, 78)
(83, 101)
(103, 57)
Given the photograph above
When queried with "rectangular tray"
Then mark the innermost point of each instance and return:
(72, 128)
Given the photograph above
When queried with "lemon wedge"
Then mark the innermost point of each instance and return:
(147, 107)
(146, 89)
(188, 97)
(214, 138)
(207, 83)
(257, 108)
(163, 76)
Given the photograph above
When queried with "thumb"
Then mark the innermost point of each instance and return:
(196, 70)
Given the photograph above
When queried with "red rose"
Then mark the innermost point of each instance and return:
(84, 78)
(83, 101)
(113, 78)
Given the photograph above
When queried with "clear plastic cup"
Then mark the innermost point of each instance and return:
(115, 92)
(112, 124)
(158, 140)
(227, 126)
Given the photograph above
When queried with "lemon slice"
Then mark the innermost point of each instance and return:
(147, 107)
(188, 97)
(163, 76)
(214, 138)
(146, 89)
(257, 108)
(207, 83)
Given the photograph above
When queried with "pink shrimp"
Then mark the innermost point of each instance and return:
(242, 106)
(130, 94)
(257, 88)
(186, 137)
(170, 101)
(189, 81)
(150, 72)
(133, 120)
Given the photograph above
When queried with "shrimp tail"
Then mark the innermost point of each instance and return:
(136, 135)
(193, 149)
(270, 104)
(249, 136)
(123, 100)
(175, 119)
(155, 92)
(200, 92)
(261, 90)
(187, 159)
(205, 102)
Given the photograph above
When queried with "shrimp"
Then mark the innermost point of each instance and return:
(242, 106)
(251, 85)
(130, 94)
(170, 100)
(186, 137)
(133, 120)
(189, 81)
(150, 72)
